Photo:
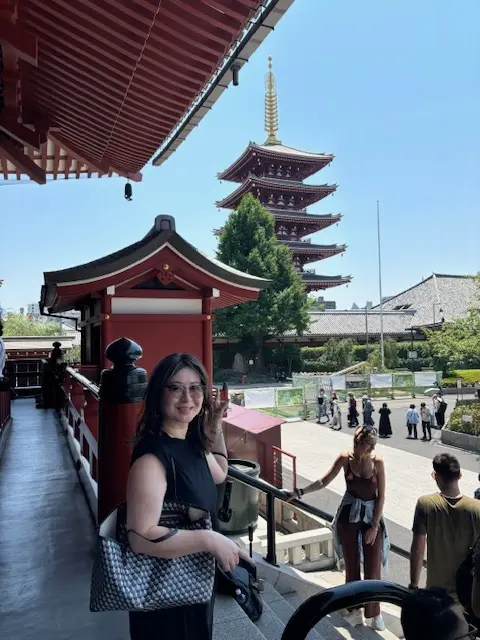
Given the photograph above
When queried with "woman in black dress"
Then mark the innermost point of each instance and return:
(384, 428)
(180, 421)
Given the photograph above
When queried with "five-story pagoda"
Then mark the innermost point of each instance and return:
(274, 173)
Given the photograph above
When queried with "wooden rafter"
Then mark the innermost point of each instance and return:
(22, 43)
(22, 162)
(101, 167)
(18, 132)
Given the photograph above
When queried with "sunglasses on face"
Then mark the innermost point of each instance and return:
(178, 390)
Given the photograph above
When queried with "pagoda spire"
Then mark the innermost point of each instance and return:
(271, 106)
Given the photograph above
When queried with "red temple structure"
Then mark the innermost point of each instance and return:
(274, 173)
(161, 292)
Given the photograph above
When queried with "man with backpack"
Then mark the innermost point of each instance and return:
(448, 523)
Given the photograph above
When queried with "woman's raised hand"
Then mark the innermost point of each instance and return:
(219, 407)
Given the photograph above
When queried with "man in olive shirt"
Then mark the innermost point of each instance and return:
(448, 522)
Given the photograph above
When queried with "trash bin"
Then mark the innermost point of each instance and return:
(237, 503)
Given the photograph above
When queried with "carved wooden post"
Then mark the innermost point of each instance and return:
(122, 388)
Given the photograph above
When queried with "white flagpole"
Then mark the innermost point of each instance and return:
(382, 350)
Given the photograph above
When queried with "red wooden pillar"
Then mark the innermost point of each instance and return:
(207, 337)
(106, 326)
(122, 388)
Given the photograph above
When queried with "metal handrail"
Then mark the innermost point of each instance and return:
(350, 595)
(91, 387)
(272, 494)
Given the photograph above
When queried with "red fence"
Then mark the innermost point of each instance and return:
(5, 403)
(81, 416)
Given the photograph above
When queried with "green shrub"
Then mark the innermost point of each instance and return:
(456, 422)
(468, 376)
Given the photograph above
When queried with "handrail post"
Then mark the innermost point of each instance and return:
(271, 530)
(121, 392)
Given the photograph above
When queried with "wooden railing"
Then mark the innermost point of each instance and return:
(5, 404)
(80, 422)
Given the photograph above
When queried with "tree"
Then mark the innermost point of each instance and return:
(248, 243)
(338, 354)
(17, 324)
(457, 342)
(390, 352)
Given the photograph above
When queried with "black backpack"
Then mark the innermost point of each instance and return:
(242, 584)
(464, 580)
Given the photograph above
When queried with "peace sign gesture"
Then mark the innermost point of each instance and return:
(219, 408)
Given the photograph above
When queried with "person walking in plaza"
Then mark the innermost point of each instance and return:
(322, 406)
(413, 418)
(367, 408)
(336, 416)
(384, 427)
(352, 411)
(439, 408)
(447, 523)
(477, 388)
(426, 416)
(359, 527)
(179, 454)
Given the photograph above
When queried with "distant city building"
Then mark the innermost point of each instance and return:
(33, 309)
(320, 304)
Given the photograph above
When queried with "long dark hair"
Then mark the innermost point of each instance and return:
(150, 422)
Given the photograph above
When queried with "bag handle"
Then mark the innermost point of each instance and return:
(173, 531)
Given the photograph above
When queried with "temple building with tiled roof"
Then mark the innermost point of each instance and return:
(274, 173)
(428, 304)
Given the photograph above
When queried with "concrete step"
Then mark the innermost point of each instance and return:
(341, 626)
(231, 622)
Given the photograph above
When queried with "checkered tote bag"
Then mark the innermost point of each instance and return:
(125, 581)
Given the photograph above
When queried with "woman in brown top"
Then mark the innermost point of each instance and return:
(360, 533)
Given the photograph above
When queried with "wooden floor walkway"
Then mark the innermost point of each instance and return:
(46, 538)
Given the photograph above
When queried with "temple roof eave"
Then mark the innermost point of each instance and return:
(300, 247)
(76, 283)
(316, 161)
(317, 191)
(315, 282)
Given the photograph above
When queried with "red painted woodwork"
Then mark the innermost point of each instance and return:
(161, 335)
(161, 320)
(116, 430)
(274, 173)
(5, 406)
(113, 79)
(250, 435)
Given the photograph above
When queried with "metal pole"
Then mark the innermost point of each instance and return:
(366, 331)
(271, 530)
(382, 349)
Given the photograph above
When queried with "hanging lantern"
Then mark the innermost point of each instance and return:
(128, 192)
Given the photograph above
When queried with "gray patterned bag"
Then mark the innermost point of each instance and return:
(125, 581)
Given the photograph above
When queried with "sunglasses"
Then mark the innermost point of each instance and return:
(368, 429)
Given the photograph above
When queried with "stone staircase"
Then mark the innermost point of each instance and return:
(231, 623)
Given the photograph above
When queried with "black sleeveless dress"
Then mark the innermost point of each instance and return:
(195, 485)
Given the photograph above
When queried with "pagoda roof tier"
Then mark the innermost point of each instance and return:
(313, 252)
(307, 163)
(315, 282)
(315, 220)
(161, 261)
(309, 192)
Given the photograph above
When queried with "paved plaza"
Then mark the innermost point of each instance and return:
(408, 473)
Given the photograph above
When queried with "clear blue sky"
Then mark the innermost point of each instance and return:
(391, 88)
